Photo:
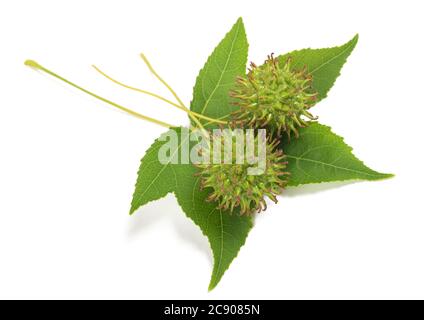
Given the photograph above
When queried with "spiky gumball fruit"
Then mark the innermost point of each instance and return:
(237, 183)
(275, 96)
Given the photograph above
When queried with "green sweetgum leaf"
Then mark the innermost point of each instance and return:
(319, 155)
(226, 233)
(324, 64)
(227, 61)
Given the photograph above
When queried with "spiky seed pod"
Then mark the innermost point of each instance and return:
(275, 96)
(232, 185)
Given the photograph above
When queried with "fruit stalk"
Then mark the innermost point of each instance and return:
(36, 65)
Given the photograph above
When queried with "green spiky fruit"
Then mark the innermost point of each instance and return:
(274, 96)
(232, 184)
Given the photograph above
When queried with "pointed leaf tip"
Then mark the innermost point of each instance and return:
(355, 39)
(227, 61)
(323, 64)
(319, 155)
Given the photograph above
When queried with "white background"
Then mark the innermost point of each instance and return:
(68, 163)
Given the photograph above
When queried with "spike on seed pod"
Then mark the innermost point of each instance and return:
(275, 96)
(231, 186)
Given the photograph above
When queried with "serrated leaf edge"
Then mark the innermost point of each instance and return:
(350, 46)
(378, 176)
(200, 77)
(133, 209)
(212, 284)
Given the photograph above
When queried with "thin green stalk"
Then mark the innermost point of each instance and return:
(219, 120)
(136, 89)
(198, 115)
(189, 112)
(34, 64)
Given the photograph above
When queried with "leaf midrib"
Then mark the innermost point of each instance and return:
(163, 167)
(333, 58)
(218, 261)
(332, 165)
(223, 70)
